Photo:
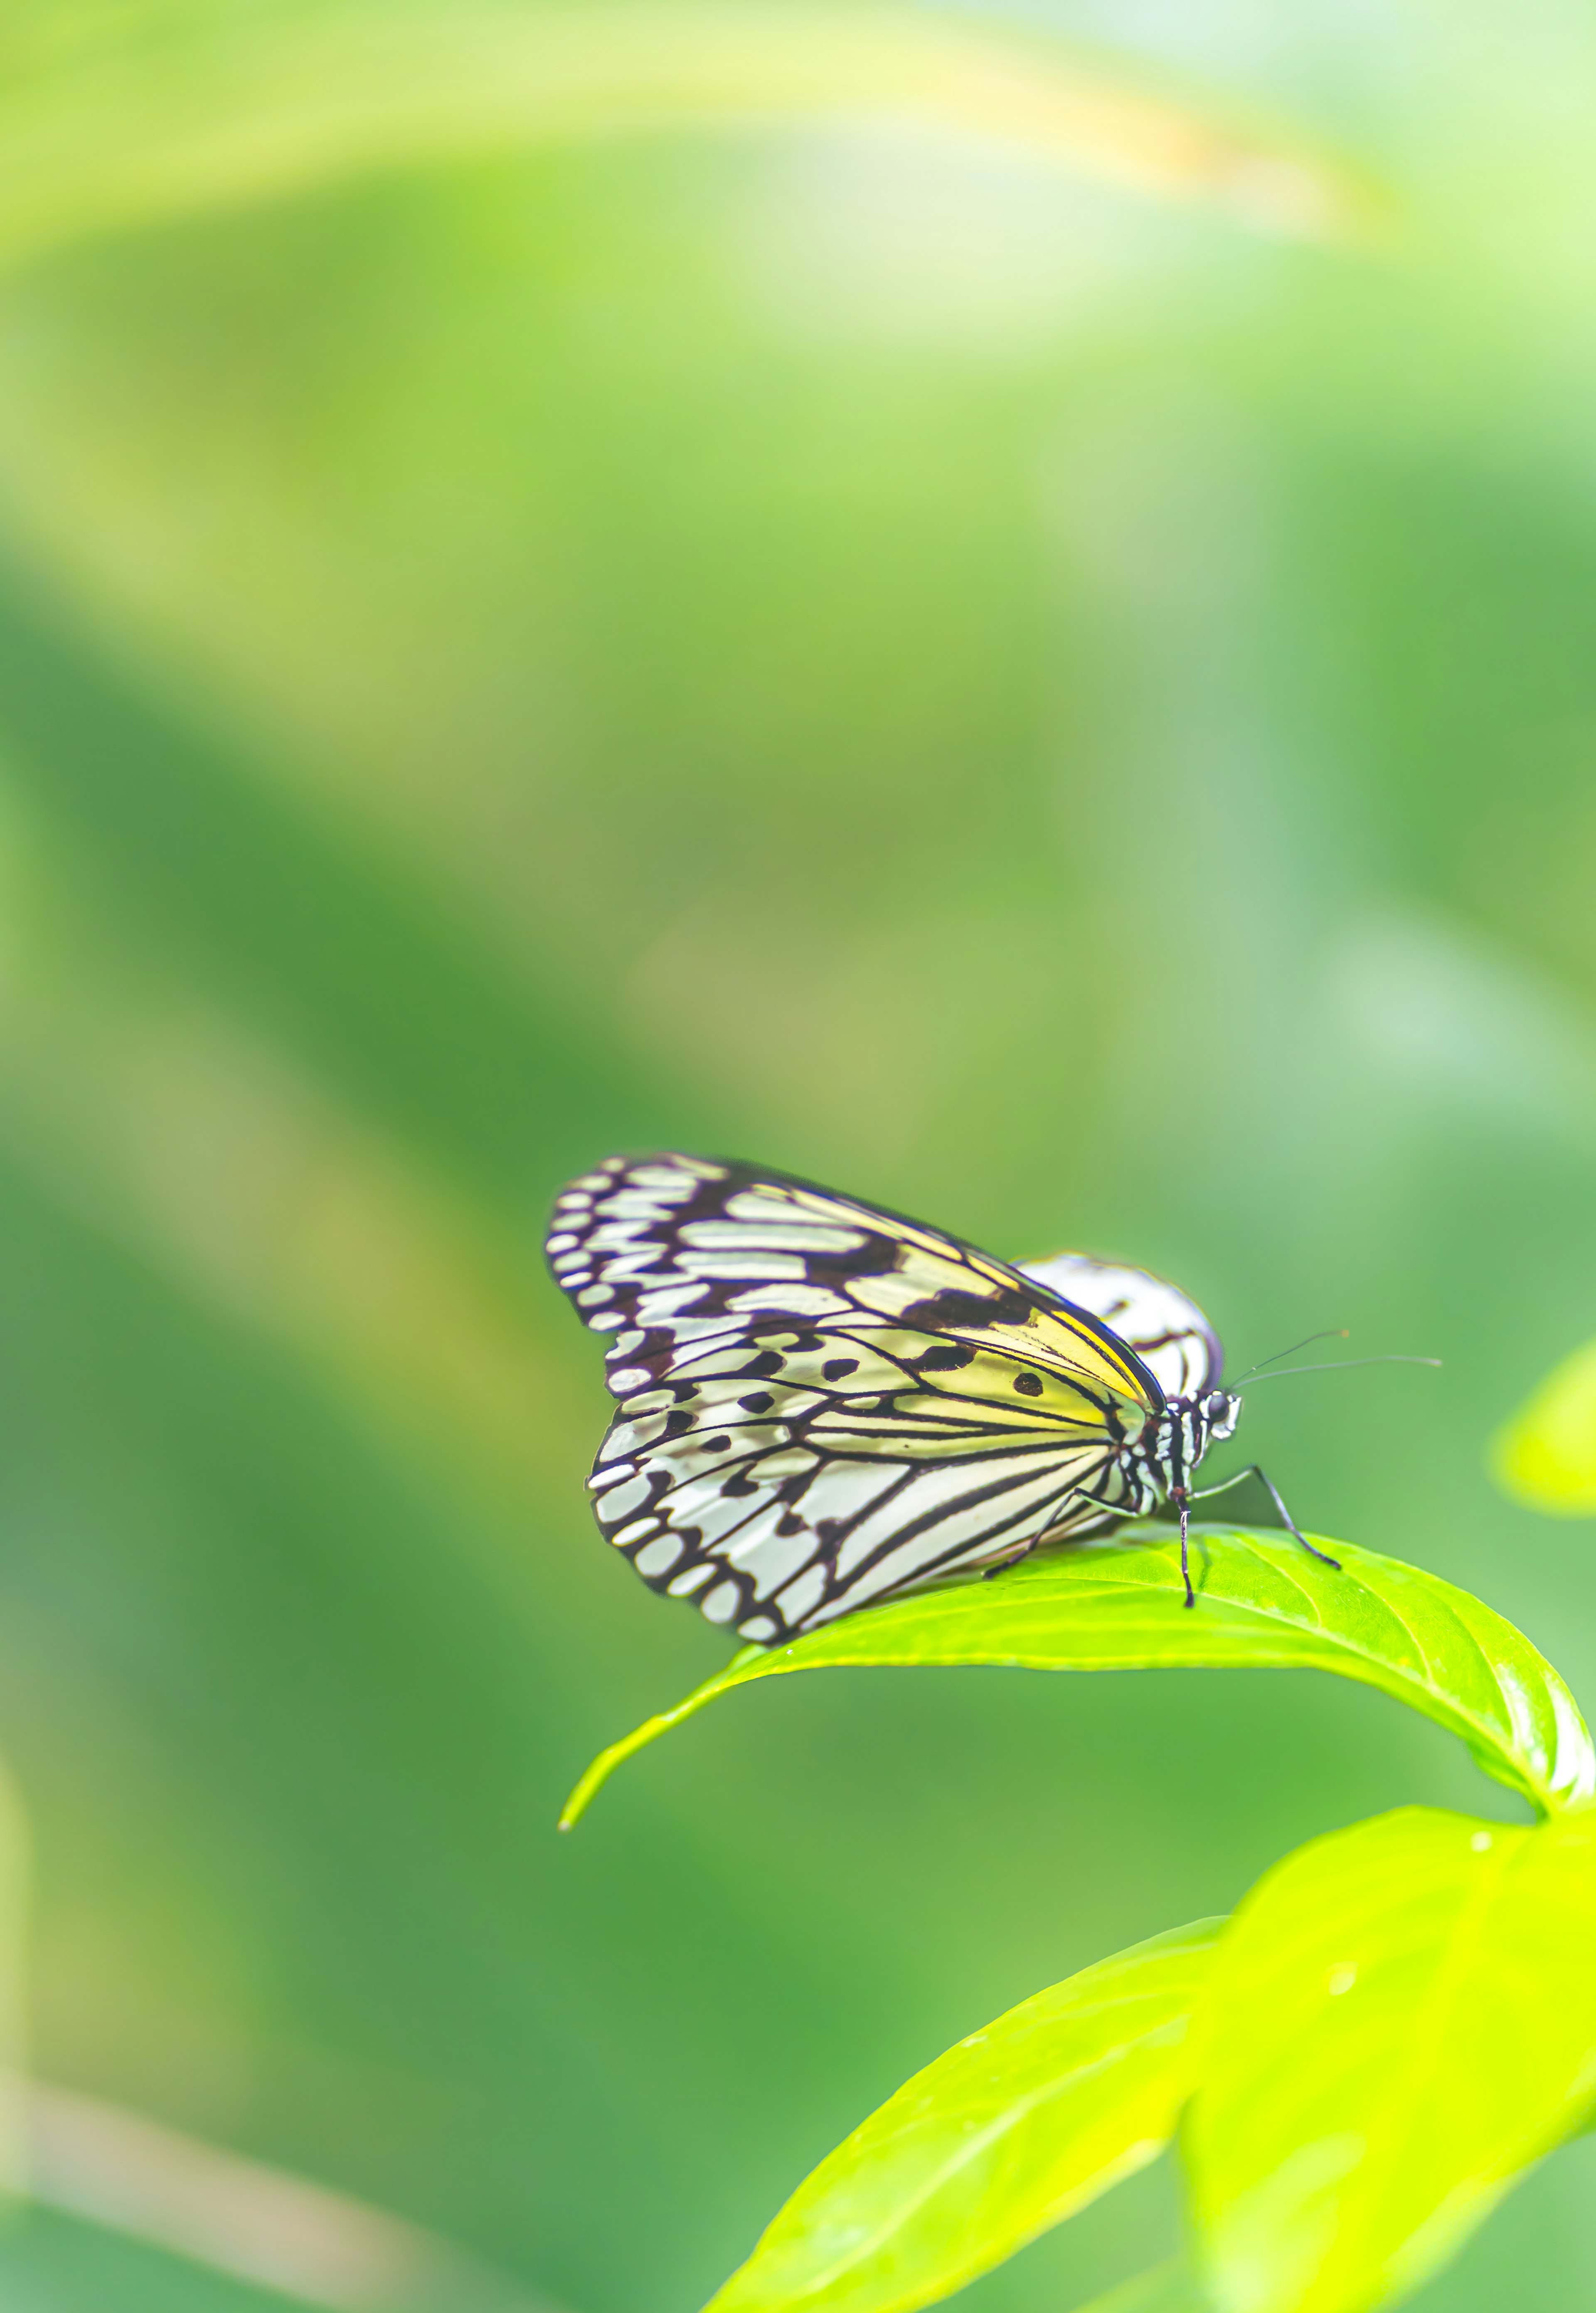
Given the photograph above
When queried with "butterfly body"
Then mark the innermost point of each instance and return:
(822, 1405)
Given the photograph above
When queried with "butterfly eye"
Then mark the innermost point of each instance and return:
(1220, 1410)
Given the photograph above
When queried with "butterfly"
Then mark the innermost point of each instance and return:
(822, 1405)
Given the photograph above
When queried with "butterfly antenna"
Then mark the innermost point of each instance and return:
(1330, 1334)
(1340, 1365)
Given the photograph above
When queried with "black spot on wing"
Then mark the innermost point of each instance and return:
(952, 1310)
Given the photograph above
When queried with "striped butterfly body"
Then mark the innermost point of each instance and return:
(822, 1405)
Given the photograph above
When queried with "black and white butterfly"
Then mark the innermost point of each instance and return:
(822, 1405)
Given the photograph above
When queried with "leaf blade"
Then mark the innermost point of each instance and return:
(263, 102)
(1401, 2019)
(1263, 1603)
(1006, 2134)
(1170, 2288)
(1545, 1454)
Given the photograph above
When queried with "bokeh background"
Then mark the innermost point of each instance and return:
(996, 606)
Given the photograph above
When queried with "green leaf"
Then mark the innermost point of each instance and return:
(181, 107)
(1546, 1454)
(1400, 2017)
(15, 1891)
(1172, 2288)
(1008, 2132)
(191, 859)
(1262, 1602)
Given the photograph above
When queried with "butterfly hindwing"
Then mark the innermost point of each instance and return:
(803, 1499)
(1168, 1332)
(821, 1403)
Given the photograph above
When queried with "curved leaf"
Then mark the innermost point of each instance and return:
(1262, 1603)
(1172, 2288)
(1008, 2132)
(1401, 2019)
(205, 107)
(1546, 1454)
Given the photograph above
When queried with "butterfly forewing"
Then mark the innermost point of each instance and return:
(822, 1404)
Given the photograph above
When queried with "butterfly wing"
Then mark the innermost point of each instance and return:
(1169, 1334)
(822, 1404)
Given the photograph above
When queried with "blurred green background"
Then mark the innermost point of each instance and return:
(995, 607)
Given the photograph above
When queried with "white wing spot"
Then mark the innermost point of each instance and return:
(791, 1300)
(663, 1180)
(655, 1556)
(623, 1500)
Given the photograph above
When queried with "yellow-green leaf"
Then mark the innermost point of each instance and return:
(1546, 1454)
(162, 111)
(1400, 2017)
(1014, 2129)
(1262, 1602)
(1172, 2288)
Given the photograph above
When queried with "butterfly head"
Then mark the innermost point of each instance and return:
(1221, 1412)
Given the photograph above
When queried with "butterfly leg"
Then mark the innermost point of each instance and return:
(1056, 1534)
(1001, 1565)
(1286, 1519)
(1181, 1497)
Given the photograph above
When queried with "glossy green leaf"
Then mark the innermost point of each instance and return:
(1008, 2132)
(1263, 1602)
(1546, 1454)
(1401, 2019)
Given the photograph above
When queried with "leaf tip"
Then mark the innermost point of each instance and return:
(615, 1754)
(593, 1777)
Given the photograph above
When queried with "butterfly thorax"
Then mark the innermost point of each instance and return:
(1173, 1440)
